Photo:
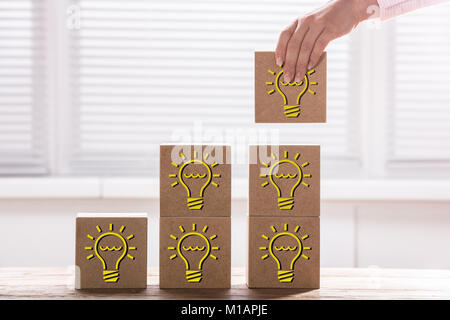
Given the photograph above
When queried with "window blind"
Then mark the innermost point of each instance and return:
(140, 69)
(420, 120)
(22, 107)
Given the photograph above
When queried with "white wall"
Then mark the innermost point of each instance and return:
(41, 232)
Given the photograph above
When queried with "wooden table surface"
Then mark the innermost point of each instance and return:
(371, 283)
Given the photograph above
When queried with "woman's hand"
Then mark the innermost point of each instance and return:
(302, 43)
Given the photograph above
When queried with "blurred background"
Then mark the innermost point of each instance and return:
(90, 88)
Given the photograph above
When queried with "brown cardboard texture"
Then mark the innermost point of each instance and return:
(111, 252)
(195, 252)
(284, 252)
(195, 181)
(284, 180)
(277, 101)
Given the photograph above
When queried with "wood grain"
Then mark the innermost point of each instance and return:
(371, 283)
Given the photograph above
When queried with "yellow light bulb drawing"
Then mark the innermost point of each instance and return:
(285, 248)
(285, 176)
(193, 248)
(195, 176)
(110, 248)
(291, 105)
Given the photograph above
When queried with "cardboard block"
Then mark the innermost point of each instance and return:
(284, 180)
(195, 181)
(284, 252)
(111, 251)
(195, 252)
(277, 101)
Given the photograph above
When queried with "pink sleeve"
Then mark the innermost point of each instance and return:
(393, 8)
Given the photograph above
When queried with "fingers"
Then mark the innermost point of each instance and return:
(306, 49)
(321, 43)
(292, 51)
(285, 36)
(300, 47)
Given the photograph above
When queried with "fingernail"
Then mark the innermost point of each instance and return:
(287, 77)
(310, 66)
(279, 62)
(298, 77)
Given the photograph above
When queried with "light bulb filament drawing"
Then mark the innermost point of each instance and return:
(196, 176)
(197, 248)
(281, 248)
(291, 109)
(199, 176)
(286, 176)
(111, 248)
(194, 248)
(285, 248)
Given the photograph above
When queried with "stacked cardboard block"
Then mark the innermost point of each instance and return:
(278, 101)
(195, 223)
(111, 251)
(284, 217)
